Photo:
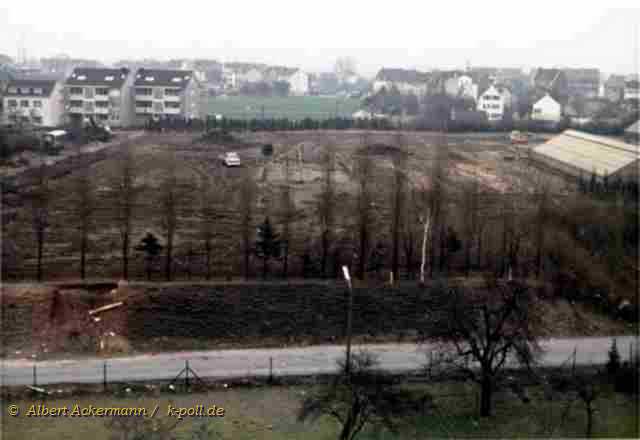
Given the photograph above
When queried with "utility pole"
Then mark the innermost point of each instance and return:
(347, 277)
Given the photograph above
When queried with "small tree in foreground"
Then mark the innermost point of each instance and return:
(487, 327)
(364, 397)
(267, 245)
(151, 248)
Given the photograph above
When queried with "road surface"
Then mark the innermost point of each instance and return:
(225, 364)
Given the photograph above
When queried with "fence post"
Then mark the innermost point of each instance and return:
(104, 376)
(35, 376)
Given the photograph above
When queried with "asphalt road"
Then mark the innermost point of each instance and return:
(321, 359)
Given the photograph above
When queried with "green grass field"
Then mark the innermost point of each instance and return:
(292, 107)
(270, 414)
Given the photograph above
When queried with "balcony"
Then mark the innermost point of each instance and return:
(145, 110)
(172, 98)
(101, 97)
(101, 110)
(171, 111)
(76, 110)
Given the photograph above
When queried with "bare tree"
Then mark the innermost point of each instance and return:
(364, 174)
(125, 194)
(489, 327)
(84, 205)
(213, 194)
(39, 198)
(470, 215)
(364, 396)
(288, 209)
(325, 205)
(169, 205)
(246, 207)
(398, 194)
(437, 200)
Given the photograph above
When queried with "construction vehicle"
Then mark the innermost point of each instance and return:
(94, 131)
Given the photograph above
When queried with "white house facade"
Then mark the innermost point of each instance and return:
(494, 104)
(547, 109)
(298, 83)
(462, 87)
(38, 102)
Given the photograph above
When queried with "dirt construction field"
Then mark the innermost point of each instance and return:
(489, 158)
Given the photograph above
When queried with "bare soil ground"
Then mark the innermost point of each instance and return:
(487, 157)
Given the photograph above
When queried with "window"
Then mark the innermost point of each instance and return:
(37, 119)
(102, 104)
(75, 103)
(37, 104)
(172, 92)
(37, 91)
(88, 106)
(75, 90)
(88, 92)
(81, 77)
(149, 78)
(170, 104)
(102, 91)
(143, 104)
(24, 103)
(12, 103)
(13, 90)
(143, 91)
(158, 107)
(158, 93)
(108, 78)
(103, 117)
(115, 116)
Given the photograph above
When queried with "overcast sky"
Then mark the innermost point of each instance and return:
(312, 34)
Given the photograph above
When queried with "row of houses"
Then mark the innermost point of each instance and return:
(116, 97)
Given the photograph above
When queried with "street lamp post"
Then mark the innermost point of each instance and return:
(347, 277)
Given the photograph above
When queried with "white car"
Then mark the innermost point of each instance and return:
(231, 159)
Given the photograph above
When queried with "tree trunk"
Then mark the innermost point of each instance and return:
(208, 251)
(40, 251)
(425, 238)
(125, 256)
(168, 261)
(486, 392)
(363, 252)
(83, 255)
(325, 251)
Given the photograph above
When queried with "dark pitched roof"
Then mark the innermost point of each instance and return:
(402, 75)
(582, 74)
(98, 77)
(163, 77)
(28, 85)
(547, 76)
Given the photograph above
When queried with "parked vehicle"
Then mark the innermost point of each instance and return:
(231, 159)
(518, 137)
(55, 140)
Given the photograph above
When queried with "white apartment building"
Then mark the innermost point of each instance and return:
(161, 93)
(102, 94)
(35, 101)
